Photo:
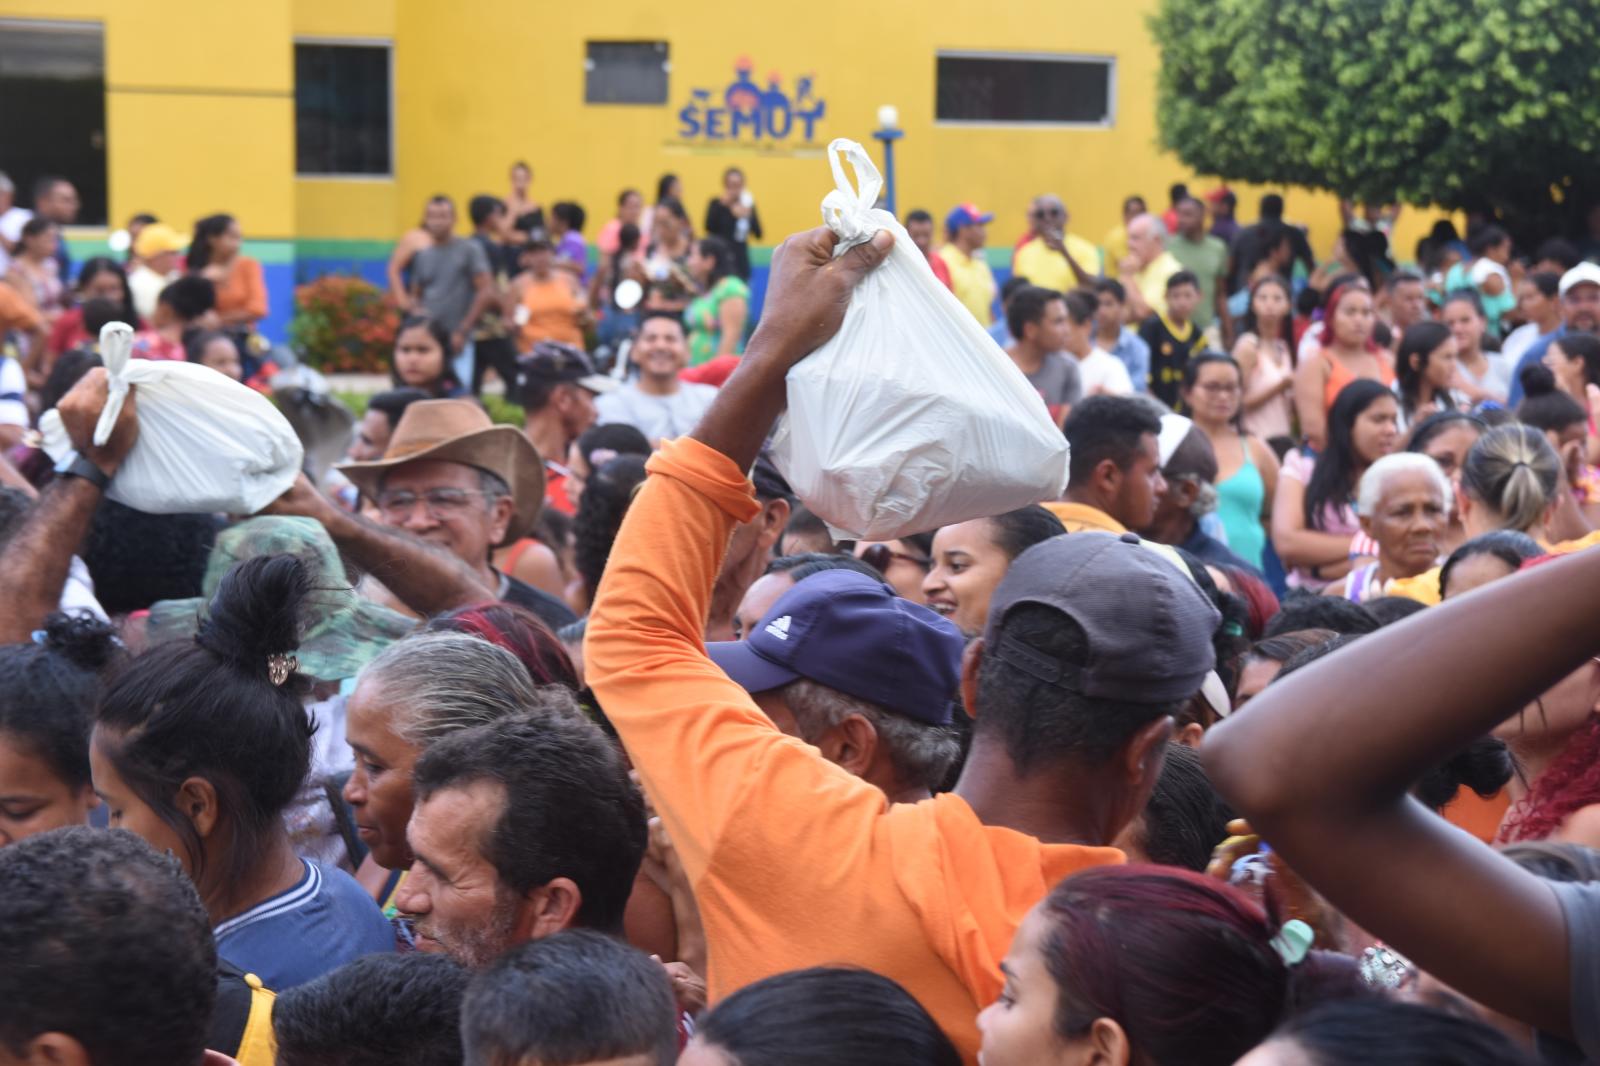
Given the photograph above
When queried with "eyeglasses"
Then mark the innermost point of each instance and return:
(879, 556)
(440, 503)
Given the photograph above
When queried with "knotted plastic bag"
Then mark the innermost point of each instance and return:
(911, 417)
(206, 442)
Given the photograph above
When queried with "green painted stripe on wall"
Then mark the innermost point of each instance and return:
(286, 252)
(333, 248)
(266, 252)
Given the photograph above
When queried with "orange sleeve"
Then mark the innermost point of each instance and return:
(255, 284)
(726, 783)
(15, 310)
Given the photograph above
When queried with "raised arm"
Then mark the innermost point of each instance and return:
(1321, 764)
(425, 578)
(699, 742)
(34, 564)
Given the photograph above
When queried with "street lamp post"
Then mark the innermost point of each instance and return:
(888, 132)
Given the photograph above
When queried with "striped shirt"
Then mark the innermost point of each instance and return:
(321, 923)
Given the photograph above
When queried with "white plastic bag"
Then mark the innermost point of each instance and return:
(206, 442)
(911, 417)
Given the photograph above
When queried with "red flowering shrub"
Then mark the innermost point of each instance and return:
(344, 324)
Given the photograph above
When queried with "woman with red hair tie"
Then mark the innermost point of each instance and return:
(518, 631)
(1556, 742)
(1345, 352)
(1143, 964)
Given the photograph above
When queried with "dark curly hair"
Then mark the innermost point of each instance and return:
(376, 1010)
(137, 558)
(606, 498)
(106, 941)
(48, 689)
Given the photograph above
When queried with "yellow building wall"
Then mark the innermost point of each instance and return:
(199, 106)
(200, 109)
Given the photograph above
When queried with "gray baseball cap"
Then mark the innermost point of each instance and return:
(1149, 626)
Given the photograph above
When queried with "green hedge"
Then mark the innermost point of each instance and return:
(501, 410)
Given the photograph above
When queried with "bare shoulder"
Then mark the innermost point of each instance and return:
(1582, 826)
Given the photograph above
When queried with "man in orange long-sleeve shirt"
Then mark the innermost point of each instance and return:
(1093, 643)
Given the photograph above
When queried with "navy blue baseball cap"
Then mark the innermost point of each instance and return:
(851, 633)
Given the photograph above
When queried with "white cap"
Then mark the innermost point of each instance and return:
(1174, 428)
(1583, 274)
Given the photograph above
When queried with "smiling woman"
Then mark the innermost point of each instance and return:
(970, 558)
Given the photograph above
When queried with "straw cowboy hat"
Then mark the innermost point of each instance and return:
(459, 431)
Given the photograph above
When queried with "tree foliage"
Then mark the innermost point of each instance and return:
(1465, 104)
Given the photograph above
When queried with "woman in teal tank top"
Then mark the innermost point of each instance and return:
(1247, 470)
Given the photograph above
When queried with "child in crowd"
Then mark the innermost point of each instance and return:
(214, 349)
(188, 303)
(1171, 338)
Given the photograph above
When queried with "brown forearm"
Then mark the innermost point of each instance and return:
(742, 415)
(1331, 734)
(33, 566)
(425, 578)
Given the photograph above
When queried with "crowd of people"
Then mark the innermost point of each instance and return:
(1273, 740)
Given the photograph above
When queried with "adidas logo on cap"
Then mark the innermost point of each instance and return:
(779, 627)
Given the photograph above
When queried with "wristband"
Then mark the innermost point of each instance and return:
(73, 464)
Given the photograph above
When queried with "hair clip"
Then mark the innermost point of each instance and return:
(1384, 968)
(39, 636)
(1293, 942)
(280, 666)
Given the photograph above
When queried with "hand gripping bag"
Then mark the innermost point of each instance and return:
(206, 442)
(911, 417)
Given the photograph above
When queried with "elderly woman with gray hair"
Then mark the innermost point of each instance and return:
(419, 689)
(1403, 503)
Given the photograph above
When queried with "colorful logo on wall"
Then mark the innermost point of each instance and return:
(748, 115)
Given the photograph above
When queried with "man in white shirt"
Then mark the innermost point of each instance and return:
(12, 219)
(1100, 372)
(157, 248)
(657, 402)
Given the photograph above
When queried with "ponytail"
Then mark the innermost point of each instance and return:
(224, 707)
(1514, 471)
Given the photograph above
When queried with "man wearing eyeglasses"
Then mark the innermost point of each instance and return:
(1050, 256)
(454, 479)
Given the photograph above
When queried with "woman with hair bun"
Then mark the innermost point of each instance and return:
(199, 747)
(47, 692)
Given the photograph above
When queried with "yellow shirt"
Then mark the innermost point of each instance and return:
(1116, 247)
(1424, 588)
(1152, 281)
(1078, 517)
(1567, 547)
(1043, 265)
(972, 282)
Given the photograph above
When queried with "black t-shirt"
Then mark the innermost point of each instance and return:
(1168, 356)
(551, 611)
